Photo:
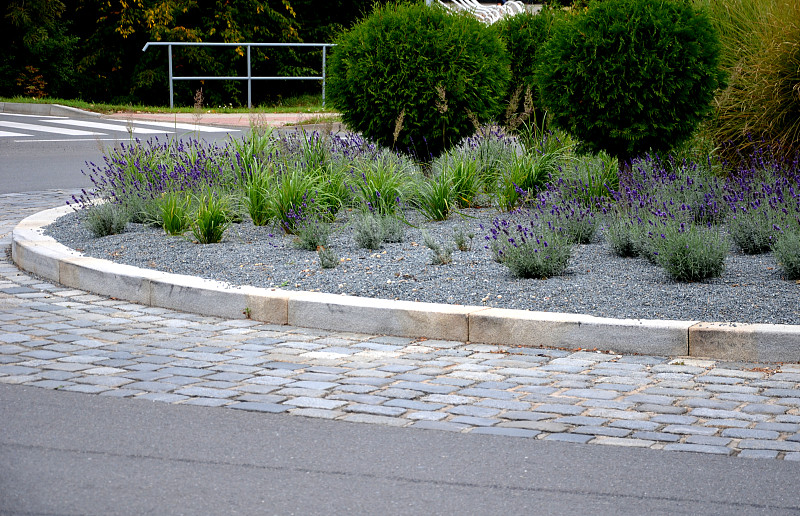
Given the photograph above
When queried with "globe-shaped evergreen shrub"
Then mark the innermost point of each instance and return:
(417, 78)
(628, 76)
(524, 35)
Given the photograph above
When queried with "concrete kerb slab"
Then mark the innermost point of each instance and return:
(23, 108)
(560, 330)
(41, 255)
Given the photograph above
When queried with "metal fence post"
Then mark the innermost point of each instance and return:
(324, 49)
(249, 81)
(171, 95)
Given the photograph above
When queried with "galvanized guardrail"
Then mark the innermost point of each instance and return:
(249, 77)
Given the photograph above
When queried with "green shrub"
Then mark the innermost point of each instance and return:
(524, 34)
(106, 219)
(627, 76)
(787, 253)
(691, 253)
(417, 78)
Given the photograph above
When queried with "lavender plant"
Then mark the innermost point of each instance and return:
(787, 252)
(532, 250)
(440, 254)
(691, 253)
(312, 235)
(368, 231)
(328, 259)
(106, 219)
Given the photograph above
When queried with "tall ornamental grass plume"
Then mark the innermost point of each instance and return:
(628, 76)
(761, 105)
(382, 184)
(417, 78)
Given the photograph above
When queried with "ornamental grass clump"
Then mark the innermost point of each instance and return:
(176, 217)
(382, 184)
(211, 219)
(435, 198)
(691, 253)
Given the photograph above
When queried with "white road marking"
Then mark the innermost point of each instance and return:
(46, 129)
(31, 116)
(7, 134)
(109, 127)
(179, 125)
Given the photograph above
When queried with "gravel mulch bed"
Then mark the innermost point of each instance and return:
(751, 290)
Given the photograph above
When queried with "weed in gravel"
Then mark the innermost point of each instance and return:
(691, 253)
(106, 219)
(440, 254)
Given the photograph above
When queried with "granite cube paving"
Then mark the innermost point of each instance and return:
(70, 339)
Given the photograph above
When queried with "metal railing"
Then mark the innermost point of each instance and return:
(249, 77)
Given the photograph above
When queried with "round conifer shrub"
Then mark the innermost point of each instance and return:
(524, 35)
(630, 76)
(418, 78)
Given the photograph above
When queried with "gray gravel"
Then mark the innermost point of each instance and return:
(597, 283)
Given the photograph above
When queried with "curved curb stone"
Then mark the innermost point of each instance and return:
(43, 256)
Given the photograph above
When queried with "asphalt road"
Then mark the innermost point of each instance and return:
(67, 453)
(46, 152)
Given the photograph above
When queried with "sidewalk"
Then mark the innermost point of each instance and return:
(67, 339)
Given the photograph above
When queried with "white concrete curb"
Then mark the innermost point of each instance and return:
(45, 110)
(43, 256)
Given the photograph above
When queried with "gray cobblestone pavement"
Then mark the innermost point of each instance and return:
(72, 340)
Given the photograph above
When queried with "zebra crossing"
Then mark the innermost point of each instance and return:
(40, 128)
